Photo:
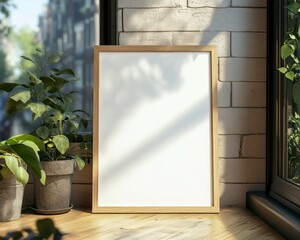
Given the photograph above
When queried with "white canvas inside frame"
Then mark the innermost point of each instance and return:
(155, 146)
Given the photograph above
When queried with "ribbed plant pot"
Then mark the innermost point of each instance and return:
(56, 193)
(11, 198)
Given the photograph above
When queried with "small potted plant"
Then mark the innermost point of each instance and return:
(16, 155)
(46, 96)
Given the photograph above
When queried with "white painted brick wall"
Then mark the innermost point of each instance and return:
(194, 19)
(151, 3)
(242, 120)
(238, 29)
(221, 39)
(242, 170)
(249, 3)
(254, 146)
(242, 69)
(249, 44)
(209, 3)
(249, 94)
(229, 146)
(224, 94)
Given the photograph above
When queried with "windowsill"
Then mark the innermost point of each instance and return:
(279, 217)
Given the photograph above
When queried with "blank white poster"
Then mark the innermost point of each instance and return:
(155, 125)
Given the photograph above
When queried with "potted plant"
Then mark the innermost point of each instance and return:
(16, 154)
(46, 96)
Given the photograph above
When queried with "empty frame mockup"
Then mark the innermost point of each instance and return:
(155, 129)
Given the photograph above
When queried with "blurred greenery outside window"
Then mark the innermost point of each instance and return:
(68, 26)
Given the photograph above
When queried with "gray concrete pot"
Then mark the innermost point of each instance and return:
(11, 198)
(55, 195)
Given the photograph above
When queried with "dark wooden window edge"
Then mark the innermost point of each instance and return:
(279, 217)
(108, 22)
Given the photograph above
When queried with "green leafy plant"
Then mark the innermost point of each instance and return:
(18, 151)
(293, 147)
(291, 69)
(46, 230)
(45, 94)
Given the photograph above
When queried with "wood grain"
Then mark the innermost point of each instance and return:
(231, 223)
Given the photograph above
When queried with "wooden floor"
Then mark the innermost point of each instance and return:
(232, 223)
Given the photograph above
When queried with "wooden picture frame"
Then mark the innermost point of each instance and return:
(155, 130)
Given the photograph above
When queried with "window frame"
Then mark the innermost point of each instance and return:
(278, 188)
(108, 22)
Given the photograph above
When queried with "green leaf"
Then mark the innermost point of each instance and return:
(54, 57)
(54, 102)
(12, 107)
(295, 58)
(11, 162)
(53, 83)
(31, 158)
(282, 70)
(49, 84)
(292, 36)
(294, 7)
(286, 50)
(43, 132)
(22, 175)
(79, 162)
(32, 77)
(39, 50)
(25, 138)
(23, 96)
(296, 93)
(66, 71)
(290, 75)
(32, 61)
(38, 109)
(75, 124)
(18, 171)
(7, 87)
(61, 143)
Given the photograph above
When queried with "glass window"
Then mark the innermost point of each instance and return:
(79, 41)
(55, 25)
(284, 111)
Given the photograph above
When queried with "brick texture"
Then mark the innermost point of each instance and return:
(242, 120)
(194, 19)
(242, 69)
(249, 44)
(254, 146)
(242, 170)
(151, 3)
(224, 94)
(209, 3)
(248, 94)
(238, 29)
(229, 146)
(249, 3)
